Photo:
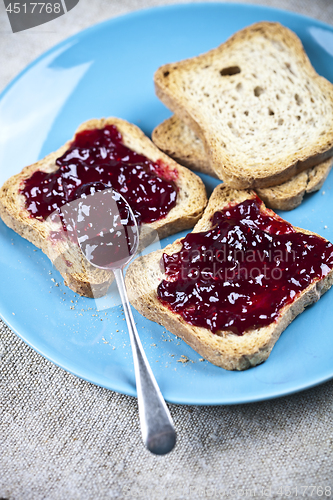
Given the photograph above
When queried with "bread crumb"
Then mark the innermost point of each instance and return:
(183, 359)
(201, 359)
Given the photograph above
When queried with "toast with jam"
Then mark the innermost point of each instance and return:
(165, 197)
(260, 109)
(232, 285)
(179, 142)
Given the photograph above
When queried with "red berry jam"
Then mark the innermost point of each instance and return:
(98, 159)
(238, 275)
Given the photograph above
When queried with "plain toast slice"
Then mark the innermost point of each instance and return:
(256, 102)
(225, 349)
(179, 142)
(48, 234)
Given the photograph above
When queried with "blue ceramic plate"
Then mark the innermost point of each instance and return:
(108, 70)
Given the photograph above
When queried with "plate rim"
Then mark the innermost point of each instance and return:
(86, 32)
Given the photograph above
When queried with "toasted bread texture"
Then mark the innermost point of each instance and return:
(65, 254)
(224, 349)
(259, 107)
(178, 141)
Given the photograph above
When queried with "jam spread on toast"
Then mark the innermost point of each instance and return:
(96, 159)
(238, 275)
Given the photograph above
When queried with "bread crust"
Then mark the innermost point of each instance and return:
(225, 349)
(178, 141)
(78, 274)
(195, 91)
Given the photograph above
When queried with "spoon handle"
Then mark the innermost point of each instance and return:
(157, 428)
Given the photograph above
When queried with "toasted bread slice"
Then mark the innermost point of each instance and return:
(225, 349)
(290, 194)
(256, 102)
(78, 274)
(178, 141)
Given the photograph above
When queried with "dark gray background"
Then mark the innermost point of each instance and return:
(24, 15)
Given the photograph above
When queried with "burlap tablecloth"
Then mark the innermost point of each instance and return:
(63, 438)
